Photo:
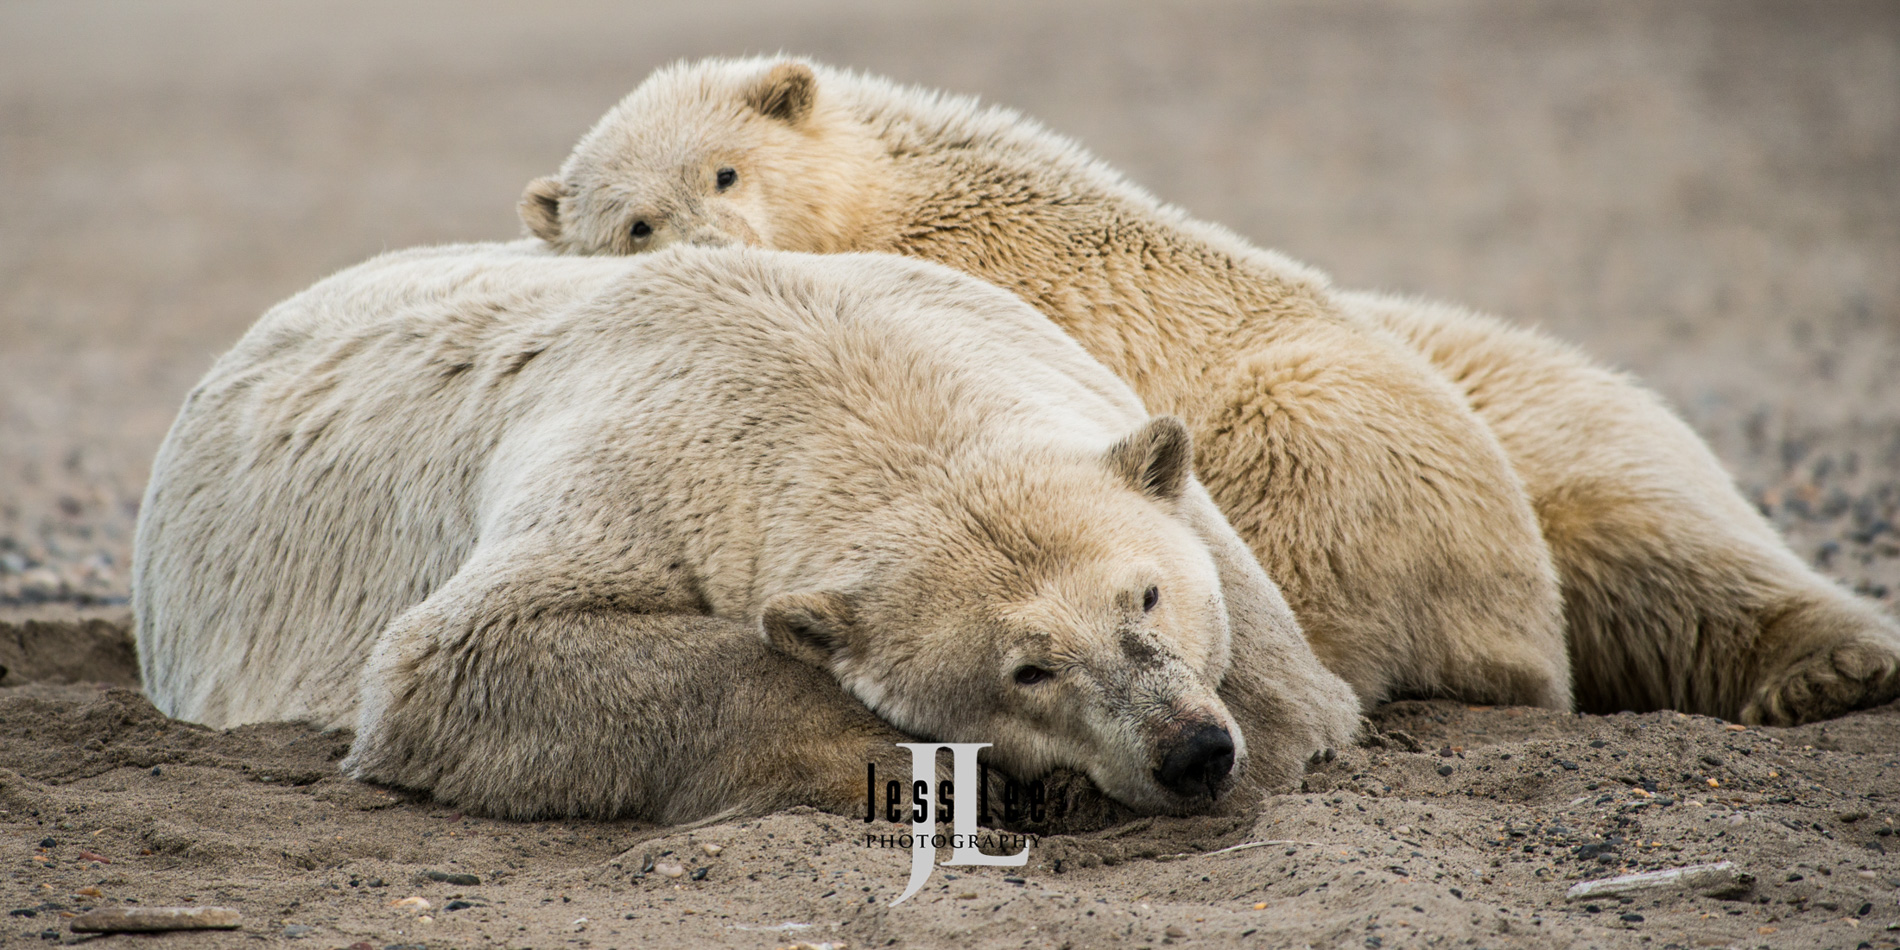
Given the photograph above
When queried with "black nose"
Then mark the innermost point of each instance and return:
(1197, 765)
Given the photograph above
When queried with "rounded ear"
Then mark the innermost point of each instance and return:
(812, 626)
(1157, 459)
(540, 208)
(787, 93)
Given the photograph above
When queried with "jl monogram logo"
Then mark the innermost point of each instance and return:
(963, 820)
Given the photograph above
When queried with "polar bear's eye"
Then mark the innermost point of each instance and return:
(640, 230)
(1031, 675)
(1149, 598)
(725, 178)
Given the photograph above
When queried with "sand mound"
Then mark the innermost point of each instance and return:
(1450, 822)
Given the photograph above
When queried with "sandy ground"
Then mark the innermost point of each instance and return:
(1707, 194)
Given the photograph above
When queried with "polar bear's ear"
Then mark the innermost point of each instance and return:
(787, 93)
(1157, 459)
(812, 626)
(540, 208)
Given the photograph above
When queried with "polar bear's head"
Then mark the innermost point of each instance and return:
(1061, 610)
(713, 153)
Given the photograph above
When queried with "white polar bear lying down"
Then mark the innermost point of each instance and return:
(583, 536)
(1454, 507)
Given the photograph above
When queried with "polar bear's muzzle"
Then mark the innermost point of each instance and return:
(1198, 763)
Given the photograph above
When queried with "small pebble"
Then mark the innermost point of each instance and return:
(457, 905)
(1174, 932)
(699, 874)
(298, 931)
(712, 850)
(669, 869)
(48, 843)
(414, 903)
(1444, 770)
(1632, 918)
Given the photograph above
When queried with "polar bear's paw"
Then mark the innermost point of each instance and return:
(1837, 677)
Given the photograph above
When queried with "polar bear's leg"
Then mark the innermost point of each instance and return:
(1288, 705)
(1389, 516)
(524, 708)
(1677, 593)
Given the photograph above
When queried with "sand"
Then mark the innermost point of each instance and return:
(1706, 194)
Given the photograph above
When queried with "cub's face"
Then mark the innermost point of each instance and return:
(1069, 617)
(712, 154)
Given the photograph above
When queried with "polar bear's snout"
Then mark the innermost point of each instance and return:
(1199, 762)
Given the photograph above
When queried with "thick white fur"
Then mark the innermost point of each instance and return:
(1452, 506)
(598, 536)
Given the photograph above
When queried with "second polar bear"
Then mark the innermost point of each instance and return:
(1453, 507)
(1358, 475)
(605, 537)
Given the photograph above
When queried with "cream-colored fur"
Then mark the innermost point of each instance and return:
(1357, 474)
(647, 537)
(1677, 592)
(1396, 500)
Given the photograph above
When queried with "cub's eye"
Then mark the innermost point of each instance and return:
(725, 178)
(640, 229)
(1031, 675)
(1149, 598)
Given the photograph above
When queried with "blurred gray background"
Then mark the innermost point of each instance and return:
(1705, 193)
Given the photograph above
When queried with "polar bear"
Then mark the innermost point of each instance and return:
(703, 531)
(1453, 507)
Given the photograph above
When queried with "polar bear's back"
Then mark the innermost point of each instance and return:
(341, 461)
(319, 479)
